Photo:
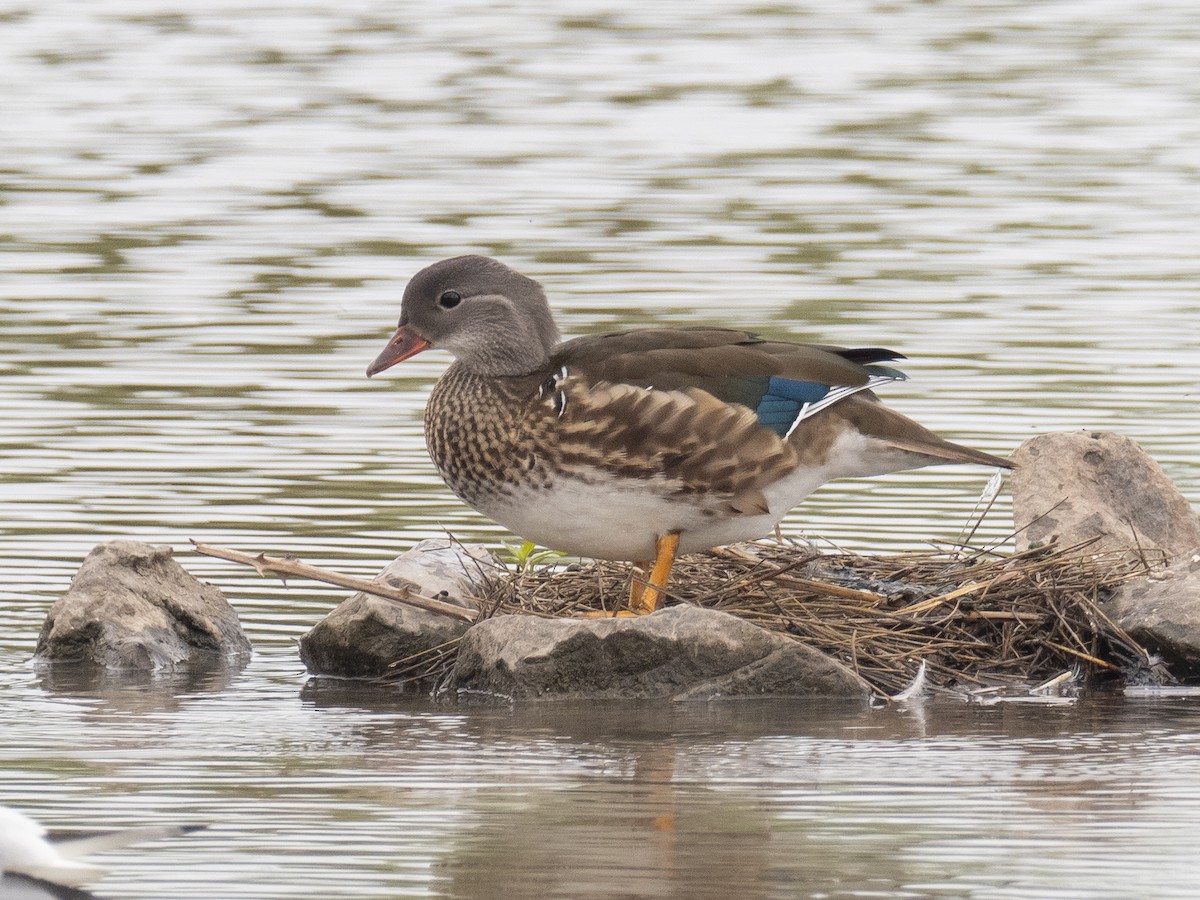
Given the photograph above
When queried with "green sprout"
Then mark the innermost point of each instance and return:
(527, 556)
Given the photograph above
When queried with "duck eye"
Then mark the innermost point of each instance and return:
(449, 299)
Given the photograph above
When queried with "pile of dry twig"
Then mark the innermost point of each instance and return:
(976, 619)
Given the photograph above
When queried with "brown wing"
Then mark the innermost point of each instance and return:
(671, 358)
(679, 404)
(685, 441)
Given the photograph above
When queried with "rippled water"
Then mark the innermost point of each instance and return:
(207, 215)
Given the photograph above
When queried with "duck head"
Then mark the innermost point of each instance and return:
(494, 320)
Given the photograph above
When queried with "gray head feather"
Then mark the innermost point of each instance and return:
(498, 324)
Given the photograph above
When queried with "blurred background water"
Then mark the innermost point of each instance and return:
(207, 216)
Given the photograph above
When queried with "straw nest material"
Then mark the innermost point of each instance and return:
(976, 619)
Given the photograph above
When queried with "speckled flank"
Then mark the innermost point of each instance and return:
(477, 433)
(486, 435)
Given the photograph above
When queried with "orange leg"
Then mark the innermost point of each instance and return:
(637, 587)
(644, 596)
(666, 548)
(637, 583)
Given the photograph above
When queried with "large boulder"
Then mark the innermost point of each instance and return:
(1162, 612)
(132, 606)
(681, 653)
(366, 634)
(1073, 486)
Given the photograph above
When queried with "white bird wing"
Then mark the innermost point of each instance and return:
(74, 846)
(26, 849)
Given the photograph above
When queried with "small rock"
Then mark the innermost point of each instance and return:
(365, 634)
(682, 653)
(132, 606)
(1108, 487)
(1162, 612)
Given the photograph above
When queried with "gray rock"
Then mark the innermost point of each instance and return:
(365, 634)
(1108, 487)
(1162, 612)
(132, 606)
(681, 653)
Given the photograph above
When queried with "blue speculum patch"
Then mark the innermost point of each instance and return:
(783, 399)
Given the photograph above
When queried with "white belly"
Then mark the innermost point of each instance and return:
(617, 520)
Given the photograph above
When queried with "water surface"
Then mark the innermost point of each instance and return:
(207, 216)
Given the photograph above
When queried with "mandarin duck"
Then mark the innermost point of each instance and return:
(640, 445)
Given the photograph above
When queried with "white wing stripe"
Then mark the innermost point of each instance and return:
(838, 393)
